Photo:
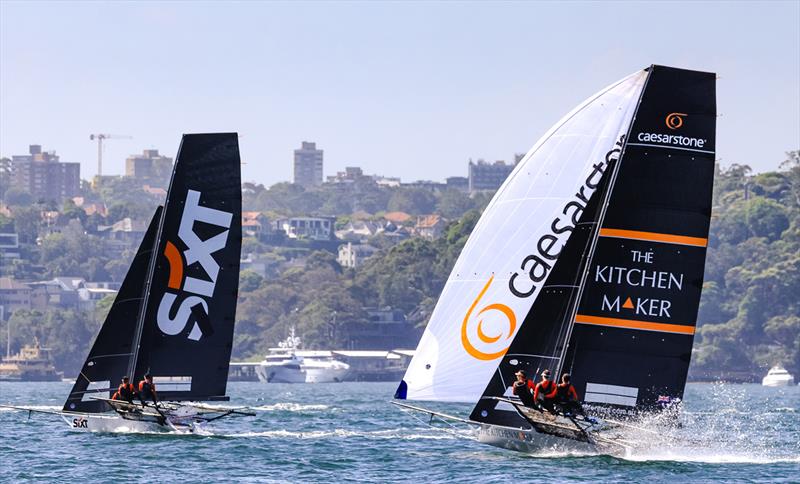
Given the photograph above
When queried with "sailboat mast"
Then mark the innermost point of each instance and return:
(137, 335)
(596, 232)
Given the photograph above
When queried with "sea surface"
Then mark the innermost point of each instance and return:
(348, 432)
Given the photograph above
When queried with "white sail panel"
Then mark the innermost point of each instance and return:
(509, 253)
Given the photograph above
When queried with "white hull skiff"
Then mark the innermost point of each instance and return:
(548, 432)
(533, 442)
(111, 422)
(135, 418)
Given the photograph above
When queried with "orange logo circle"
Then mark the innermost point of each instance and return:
(674, 120)
(486, 339)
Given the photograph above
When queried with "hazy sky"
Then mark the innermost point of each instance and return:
(401, 89)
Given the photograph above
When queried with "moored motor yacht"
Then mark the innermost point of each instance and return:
(777, 376)
(289, 364)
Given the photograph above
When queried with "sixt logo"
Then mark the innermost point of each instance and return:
(80, 423)
(197, 290)
(674, 120)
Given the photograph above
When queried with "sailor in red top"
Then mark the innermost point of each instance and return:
(567, 397)
(125, 391)
(147, 389)
(545, 392)
(523, 387)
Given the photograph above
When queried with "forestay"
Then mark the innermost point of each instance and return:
(514, 246)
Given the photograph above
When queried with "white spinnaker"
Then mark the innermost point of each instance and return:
(454, 363)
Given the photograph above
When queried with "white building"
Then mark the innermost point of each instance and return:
(354, 255)
(314, 228)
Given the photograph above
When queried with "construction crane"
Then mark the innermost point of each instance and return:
(100, 138)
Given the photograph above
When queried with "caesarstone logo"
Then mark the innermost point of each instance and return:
(674, 120)
(532, 272)
(493, 346)
(197, 292)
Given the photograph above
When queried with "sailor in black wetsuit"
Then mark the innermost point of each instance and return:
(125, 391)
(147, 390)
(567, 397)
(522, 388)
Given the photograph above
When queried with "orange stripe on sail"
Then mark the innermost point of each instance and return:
(654, 237)
(631, 324)
(175, 265)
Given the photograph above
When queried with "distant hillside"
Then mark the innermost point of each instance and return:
(750, 310)
(749, 314)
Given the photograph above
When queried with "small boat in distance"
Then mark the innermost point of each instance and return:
(32, 363)
(289, 364)
(777, 376)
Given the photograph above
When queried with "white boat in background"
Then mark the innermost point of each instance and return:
(777, 376)
(289, 364)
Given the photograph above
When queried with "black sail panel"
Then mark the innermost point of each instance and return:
(539, 343)
(108, 359)
(187, 322)
(632, 339)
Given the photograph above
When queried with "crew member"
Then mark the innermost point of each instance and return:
(125, 391)
(522, 388)
(567, 397)
(147, 389)
(545, 392)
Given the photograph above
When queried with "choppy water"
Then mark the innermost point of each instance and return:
(348, 432)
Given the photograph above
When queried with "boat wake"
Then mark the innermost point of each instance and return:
(389, 434)
(47, 408)
(734, 433)
(709, 456)
(290, 407)
(707, 441)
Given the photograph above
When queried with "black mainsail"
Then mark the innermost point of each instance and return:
(186, 276)
(632, 339)
(619, 308)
